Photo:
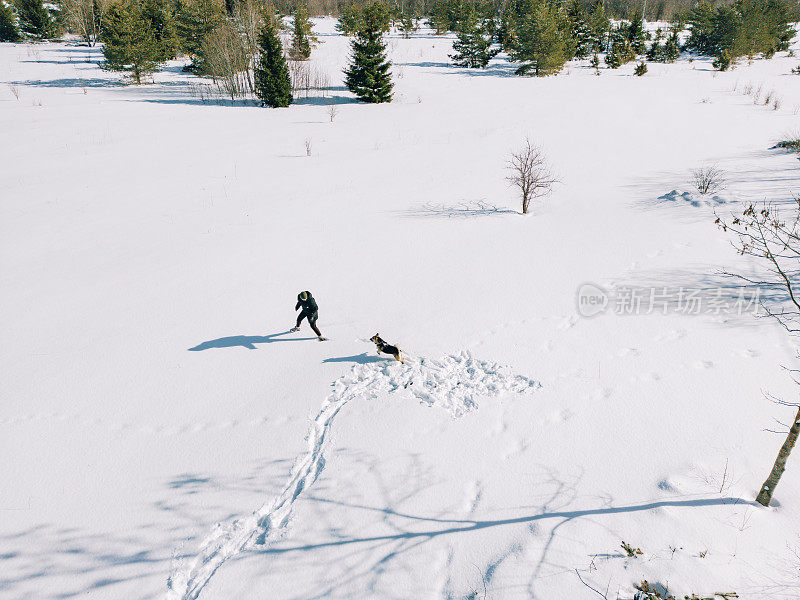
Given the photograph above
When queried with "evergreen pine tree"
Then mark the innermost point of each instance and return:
(129, 41)
(161, 16)
(303, 38)
(672, 48)
(368, 75)
(599, 26)
(635, 34)
(620, 51)
(349, 19)
(655, 50)
(544, 42)
(408, 23)
(472, 46)
(9, 32)
(438, 18)
(272, 83)
(579, 29)
(35, 19)
(196, 19)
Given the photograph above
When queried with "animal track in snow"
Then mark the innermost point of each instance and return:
(455, 383)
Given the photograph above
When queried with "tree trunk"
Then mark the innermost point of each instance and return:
(765, 495)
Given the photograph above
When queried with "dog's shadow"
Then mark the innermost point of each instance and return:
(361, 359)
(247, 341)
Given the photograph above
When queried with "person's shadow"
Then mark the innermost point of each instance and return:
(247, 341)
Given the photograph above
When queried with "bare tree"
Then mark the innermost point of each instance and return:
(764, 233)
(227, 61)
(83, 17)
(709, 179)
(308, 146)
(531, 173)
(332, 112)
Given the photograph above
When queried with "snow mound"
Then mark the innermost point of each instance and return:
(692, 199)
(455, 382)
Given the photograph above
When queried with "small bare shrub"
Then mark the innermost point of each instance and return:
(777, 103)
(757, 93)
(531, 173)
(308, 146)
(320, 81)
(14, 90)
(796, 109)
(332, 112)
(748, 89)
(770, 95)
(300, 75)
(709, 179)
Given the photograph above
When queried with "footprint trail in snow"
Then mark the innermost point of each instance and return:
(455, 382)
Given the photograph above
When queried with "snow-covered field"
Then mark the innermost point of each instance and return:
(164, 436)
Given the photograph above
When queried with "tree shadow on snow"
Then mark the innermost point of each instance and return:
(462, 210)
(493, 70)
(247, 341)
(48, 561)
(77, 82)
(356, 561)
(324, 100)
(769, 174)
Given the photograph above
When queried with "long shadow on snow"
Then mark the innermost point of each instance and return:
(247, 341)
(61, 563)
(77, 82)
(463, 210)
(469, 526)
(366, 558)
(494, 70)
(361, 359)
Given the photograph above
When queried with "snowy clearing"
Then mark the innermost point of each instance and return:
(167, 437)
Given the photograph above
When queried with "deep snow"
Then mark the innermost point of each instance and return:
(152, 248)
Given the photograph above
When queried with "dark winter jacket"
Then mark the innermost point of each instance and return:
(309, 305)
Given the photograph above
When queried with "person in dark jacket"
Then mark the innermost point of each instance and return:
(309, 311)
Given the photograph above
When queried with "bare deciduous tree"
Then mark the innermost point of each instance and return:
(227, 60)
(709, 179)
(531, 173)
(84, 18)
(332, 112)
(308, 146)
(764, 232)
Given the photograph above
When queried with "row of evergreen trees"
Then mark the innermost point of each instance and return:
(542, 35)
(740, 28)
(27, 18)
(225, 42)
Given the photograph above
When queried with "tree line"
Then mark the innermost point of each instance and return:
(235, 42)
(230, 40)
(543, 35)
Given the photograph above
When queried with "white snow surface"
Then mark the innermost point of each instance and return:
(165, 436)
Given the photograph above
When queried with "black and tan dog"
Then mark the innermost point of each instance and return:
(387, 348)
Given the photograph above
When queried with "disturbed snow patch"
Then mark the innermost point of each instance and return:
(455, 383)
(693, 199)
